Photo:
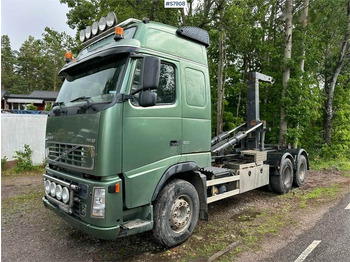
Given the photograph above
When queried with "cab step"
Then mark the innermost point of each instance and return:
(137, 223)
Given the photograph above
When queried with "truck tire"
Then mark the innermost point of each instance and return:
(283, 182)
(301, 172)
(175, 213)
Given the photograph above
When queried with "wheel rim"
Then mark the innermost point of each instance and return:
(288, 175)
(302, 171)
(181, 213)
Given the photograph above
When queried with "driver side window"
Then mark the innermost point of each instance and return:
(166, 92)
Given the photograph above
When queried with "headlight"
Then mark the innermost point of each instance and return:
(65, 195)
(98, 207)
(47, 186)
(59, 192)
(53, 189)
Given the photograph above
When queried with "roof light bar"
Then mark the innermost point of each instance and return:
(108, 31)
(98, 27)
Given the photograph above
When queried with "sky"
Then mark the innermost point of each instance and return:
(21, 18)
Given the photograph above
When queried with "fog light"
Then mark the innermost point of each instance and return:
(65, 195)
(47, 186)
(59, 192)
(53, 189)
(98, 208)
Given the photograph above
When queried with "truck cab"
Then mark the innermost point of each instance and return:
(128, 142)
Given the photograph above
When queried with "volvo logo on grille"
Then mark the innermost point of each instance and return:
(65, 153)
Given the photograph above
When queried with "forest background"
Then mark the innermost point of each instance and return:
(303, 44)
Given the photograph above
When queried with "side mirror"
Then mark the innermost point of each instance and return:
(150, 73)
(147, 98)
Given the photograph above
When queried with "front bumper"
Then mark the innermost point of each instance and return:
(99, 232)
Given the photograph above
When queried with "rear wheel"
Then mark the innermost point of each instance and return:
(175, 213)
(282, 183)
(301, 172)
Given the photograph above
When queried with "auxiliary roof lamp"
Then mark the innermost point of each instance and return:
(98, 27)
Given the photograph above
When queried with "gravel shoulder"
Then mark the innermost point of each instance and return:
(259, 221)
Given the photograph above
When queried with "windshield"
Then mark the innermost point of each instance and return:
(97, 84)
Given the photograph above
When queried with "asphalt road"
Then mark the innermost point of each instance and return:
(329, 240)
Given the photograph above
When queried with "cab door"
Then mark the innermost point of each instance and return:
(151, 135)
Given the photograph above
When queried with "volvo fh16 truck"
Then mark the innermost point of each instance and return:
(128, 141)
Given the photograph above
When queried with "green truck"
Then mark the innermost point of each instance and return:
(128, 141)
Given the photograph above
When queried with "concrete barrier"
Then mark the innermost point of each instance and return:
(18, 130)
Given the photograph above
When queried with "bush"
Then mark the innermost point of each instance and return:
(3, 162)
(32, 107)
(23, 159)
(48, 107)
(334, 151)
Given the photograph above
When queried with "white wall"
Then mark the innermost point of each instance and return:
(18, 130)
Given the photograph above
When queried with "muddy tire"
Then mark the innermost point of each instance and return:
(175, 213)
(283, 182)
(301, 172)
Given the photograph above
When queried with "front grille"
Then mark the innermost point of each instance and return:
(81, 156)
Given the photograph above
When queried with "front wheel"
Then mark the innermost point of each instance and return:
(175, 213)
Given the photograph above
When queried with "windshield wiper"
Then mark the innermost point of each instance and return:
(87, 105)
(86, 98)
(58, 104)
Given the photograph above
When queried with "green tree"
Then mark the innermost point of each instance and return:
(29, 66)
(336, 70)
(8, 60)
(55, 45)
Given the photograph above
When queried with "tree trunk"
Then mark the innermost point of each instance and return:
(154, 9)
(243, 82)
(286, 69)
(330, 95)
(303, 21)
(304, 15)
(220, 102)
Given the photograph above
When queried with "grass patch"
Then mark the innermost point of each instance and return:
(346, 174)
(322, 191)
(303, 197)
(320, 164)
(21, 203)
(268, 223)
(39, 170)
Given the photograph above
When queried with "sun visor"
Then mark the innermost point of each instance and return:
(98, 56)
